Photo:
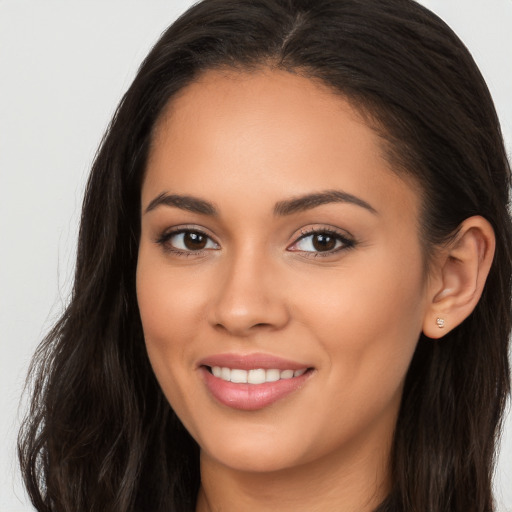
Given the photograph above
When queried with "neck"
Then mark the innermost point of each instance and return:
(339, 481)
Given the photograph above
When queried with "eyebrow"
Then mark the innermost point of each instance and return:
(282, 208)
(309, 201)
(190, 203)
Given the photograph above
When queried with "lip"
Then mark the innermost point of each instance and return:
(252, 361)
(251, 397)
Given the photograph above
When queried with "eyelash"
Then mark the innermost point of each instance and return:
(346, 243)
(164, 239)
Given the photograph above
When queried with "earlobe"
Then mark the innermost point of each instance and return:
(462, 269)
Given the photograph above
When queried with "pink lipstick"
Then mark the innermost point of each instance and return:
(252, 382)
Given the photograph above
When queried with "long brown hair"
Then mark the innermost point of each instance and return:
(100, 435)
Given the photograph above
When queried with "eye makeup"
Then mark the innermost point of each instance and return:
(312, 242)
(321, 242)
(186, 241)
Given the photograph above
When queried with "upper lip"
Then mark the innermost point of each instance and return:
(251, 361)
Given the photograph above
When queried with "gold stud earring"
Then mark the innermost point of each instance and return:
(440, 322)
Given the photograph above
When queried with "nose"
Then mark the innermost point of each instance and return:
(250, 297)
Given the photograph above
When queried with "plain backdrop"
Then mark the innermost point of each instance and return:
(64, 65)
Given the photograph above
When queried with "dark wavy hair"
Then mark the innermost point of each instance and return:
(100, 435)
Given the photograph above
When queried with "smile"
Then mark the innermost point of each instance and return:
(253, 381)
(255, 376)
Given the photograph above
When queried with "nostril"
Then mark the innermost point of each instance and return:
(246, 328)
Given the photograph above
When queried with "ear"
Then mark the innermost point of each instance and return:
(458, 277)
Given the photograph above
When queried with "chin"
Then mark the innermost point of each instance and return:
(259, 452)
(251, 461)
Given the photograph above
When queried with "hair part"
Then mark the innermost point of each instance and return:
(100, 434)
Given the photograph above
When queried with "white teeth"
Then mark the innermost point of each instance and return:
(256, 376)
(273, 375)
(239, 376)
(225, 374)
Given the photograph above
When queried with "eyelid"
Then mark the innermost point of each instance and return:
(163, 238)
(347, 240)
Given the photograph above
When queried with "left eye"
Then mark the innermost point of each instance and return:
(190, 241)
(321, 241)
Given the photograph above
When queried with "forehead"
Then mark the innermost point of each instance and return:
(268, 134)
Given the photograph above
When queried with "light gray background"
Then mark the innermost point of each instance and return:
(64, 65)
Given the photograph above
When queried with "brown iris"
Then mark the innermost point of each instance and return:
(194, 241)
(324, 242)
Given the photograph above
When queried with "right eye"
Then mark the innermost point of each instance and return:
(187, 241)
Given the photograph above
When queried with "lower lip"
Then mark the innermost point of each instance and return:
(251, 397)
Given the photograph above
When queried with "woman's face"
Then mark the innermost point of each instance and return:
(277, 241)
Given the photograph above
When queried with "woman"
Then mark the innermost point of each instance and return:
(293, 275)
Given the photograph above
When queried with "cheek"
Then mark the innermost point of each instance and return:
(169, 303)
(169, 310)
(368, 318)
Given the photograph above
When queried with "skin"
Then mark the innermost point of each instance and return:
(245, 142)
